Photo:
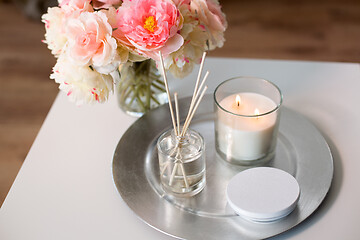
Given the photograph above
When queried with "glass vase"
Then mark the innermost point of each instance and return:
(140, 88)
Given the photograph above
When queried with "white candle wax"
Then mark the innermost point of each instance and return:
(245, 138)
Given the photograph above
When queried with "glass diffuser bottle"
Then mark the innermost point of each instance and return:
(182, 163)
(181, 151)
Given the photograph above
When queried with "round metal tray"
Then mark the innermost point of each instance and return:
(301, 151)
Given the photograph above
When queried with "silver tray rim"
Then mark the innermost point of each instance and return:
(133, 183)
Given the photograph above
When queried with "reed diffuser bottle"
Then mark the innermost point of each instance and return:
(182, 162)
(181, 151)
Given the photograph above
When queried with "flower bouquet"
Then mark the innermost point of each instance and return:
(102, 43)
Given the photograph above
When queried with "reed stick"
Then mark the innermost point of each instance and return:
(168, 93)
(177, 112)
(202, 83)
(173, 174)
(196, 87)
(195, 101)
(193, 112)
(191, 109)
(184, 175)
(199, 75)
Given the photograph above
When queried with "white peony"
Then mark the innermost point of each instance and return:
(212, 19)
(81, 83)
(55, 36)
(181, 62)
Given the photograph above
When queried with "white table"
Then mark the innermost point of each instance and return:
(65, 189)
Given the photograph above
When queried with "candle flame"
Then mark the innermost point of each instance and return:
(238, 100)
(257, 113)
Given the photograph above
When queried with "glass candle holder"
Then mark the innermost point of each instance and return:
(182, 163)
(247, 120)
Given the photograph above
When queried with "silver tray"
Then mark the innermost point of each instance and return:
(301, 151)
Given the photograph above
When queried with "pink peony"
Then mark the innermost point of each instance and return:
(149, 26)
(90, 40)
(212, 19)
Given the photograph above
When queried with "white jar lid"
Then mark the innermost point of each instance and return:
(263, 194)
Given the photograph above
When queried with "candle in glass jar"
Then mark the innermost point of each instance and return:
(243, 132)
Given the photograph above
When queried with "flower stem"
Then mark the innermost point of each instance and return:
(139, 85)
